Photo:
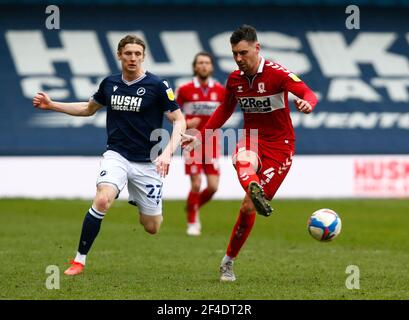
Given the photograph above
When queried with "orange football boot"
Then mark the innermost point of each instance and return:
(76, 268)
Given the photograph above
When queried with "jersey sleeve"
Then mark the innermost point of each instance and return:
(167, 97)
(99, 96)
(223, 111)
(293, 84)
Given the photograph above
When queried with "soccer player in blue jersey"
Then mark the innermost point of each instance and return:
(136, 101)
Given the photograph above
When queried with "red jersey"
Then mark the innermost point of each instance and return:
(200, 101)
(263, 100)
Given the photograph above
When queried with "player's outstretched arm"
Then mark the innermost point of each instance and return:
(216, 121)
(179, 128)
(42, 101)
(222, 113)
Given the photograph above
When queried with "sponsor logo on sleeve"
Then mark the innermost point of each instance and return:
(294, 77)
(170, 94)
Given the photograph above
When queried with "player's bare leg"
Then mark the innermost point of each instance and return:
(192, 206)
(239, 235)
(105, 196)
(150, 223)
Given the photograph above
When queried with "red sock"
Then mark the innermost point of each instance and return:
(205, 196)
(192, 206)
(241, 231)
(246, 174)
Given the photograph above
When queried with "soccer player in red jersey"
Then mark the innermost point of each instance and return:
(262, 161)
(198, 99)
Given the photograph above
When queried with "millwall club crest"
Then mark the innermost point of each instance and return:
(141, 91)
(261, 87)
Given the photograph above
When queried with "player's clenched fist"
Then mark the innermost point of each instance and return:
(303, 105)
(42, 100)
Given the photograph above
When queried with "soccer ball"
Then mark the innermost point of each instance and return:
(324, 225)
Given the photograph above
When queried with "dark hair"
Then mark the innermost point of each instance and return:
(130, 38)
(203, 54)
(245, 32)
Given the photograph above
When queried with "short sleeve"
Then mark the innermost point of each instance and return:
(99, 96)
(167, 97)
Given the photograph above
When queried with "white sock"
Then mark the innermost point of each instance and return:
(80, 258)
(226, 259)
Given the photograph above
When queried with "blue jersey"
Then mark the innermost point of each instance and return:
(134, 110)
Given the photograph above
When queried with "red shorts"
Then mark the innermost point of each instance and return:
(203, 160)
(275, 159)
(208, 168)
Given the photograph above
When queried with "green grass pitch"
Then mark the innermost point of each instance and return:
(279, 261)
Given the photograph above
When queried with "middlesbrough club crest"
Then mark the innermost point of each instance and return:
(261, 87)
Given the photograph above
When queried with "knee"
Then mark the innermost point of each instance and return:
(151, 228)
(102, 203)
(195, 187)
(246, 161)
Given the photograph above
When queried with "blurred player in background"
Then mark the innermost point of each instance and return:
(262, 161)
(136, 101)
(198, 99)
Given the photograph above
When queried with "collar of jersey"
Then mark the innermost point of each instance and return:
(260, 67)
(196, 82)
(129, 83)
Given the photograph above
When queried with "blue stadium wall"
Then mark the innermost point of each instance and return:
(361, 75)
